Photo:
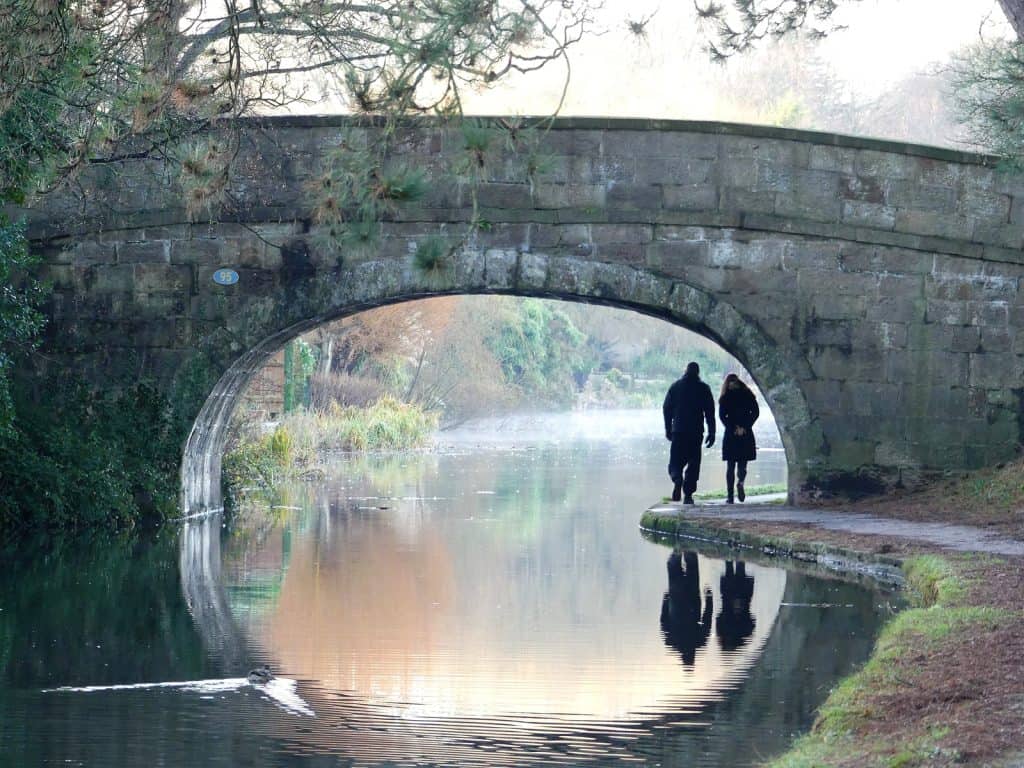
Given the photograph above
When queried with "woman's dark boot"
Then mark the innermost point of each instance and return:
(739, 491)
(677, 491)
(728, 490)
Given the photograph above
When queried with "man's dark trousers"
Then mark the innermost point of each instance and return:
(684, 460)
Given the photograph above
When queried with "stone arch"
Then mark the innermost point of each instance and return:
(233, 353)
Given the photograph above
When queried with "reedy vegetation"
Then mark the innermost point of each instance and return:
(302, 437)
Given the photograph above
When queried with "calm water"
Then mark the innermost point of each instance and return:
(475, 606)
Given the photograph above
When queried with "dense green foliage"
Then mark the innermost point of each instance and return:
(299, 364)
(73, 458)
(989, 90)
(20, 321)
(541, 351)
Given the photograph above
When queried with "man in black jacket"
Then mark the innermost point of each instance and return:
(688, 405)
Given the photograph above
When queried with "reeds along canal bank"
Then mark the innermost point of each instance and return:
(943, 684)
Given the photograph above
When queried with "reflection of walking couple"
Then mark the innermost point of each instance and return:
(686, 618)
(688, 405)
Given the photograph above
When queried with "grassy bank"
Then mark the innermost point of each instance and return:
(294, 448)
(903, 708)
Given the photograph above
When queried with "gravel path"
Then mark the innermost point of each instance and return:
(959, 538)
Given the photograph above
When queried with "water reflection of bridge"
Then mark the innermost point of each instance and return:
(403, 706)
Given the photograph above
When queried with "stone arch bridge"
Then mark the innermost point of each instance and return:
(873, 289)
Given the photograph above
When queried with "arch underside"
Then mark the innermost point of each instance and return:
(239, 350)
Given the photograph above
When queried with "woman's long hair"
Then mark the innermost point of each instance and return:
(728, 380)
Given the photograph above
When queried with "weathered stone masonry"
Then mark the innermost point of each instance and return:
(873, 289)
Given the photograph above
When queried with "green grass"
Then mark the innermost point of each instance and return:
(1003, 486)
(939, 594)
(752, 490)
(294, 447)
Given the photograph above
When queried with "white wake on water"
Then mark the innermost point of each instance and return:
(281, 690)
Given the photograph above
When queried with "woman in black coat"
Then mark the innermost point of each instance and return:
(737, 410)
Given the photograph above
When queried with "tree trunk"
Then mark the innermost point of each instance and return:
(326, 354)
(1014, 10)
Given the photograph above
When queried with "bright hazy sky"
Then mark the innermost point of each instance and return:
(666, 73)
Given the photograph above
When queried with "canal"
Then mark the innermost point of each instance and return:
(490, 602)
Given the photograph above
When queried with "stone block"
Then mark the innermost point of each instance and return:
(875, 215)
(772, 177)
(743, 200)
(985, 207)
(852, 283)
(738, 172)
(499, 195)
(800, 206)
(971, 288)
(988, 313)
(532, 271)
(603, 170)
(676, 232)
(927, 365)
(754, 255)
(199, 250)
(111, 278)
(829, 306)
(949, 312)
(634, 197)
(931, 337)
(584, 196)
(547, 235)
(631, 144)
(1018, 342)
(836, 159)
(885, 336)
(811, 254)
(861, 189)
(885, 165)
(825, 396)
(995, 339)
(851, 454)
(502, 235)
(934, 224)
(688, 303)
(893, 261)
(604, 234)
(780, 152)
(859, 365)
(939, 454)
(622, 253)
(674, 171)
(693, 146)
(160, 305)
(156, 252)
(499, 267)
(965, 338)
(996, 371)
(671, 255)
(912, 195)
(692, 197)
(827, 333)
(162, 278)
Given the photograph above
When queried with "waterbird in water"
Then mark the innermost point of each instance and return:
(260, 675)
